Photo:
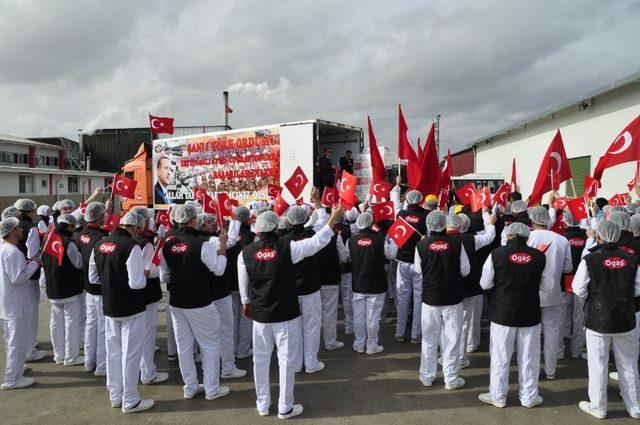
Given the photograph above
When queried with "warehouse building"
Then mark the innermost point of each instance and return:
(588, 124)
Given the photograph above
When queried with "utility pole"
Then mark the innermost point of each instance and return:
(225, 101)
(438, 135)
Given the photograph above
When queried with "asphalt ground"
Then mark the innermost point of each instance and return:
(353, 389)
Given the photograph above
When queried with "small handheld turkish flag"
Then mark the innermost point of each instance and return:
(83, 207)
(124, 186)
(578, 208)
(560, 203)
(347, 188)
(209, 205)
(380, 189)
(591, 186)
(618, 200)
(466, 193)
(112, 221)
(502, 194)
(280, 206)
(224, 205)
(160, 124)
(482, 198)
(296, 182)
(162, 218)
(400, 231)
(54, 247)
(273, 190)
(444, 200)
(199, 193)
(383, 211)
(329, 197)
(156, 254)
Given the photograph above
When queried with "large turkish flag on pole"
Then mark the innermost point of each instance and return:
(160, 124)
(553, 170)
(625, 148)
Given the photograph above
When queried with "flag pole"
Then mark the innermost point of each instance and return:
(573, 187)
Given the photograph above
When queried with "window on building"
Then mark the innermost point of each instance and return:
(72, 184)
(579, 170)
(108, 181)
(25, 184)
(43, 184)
(48, 161)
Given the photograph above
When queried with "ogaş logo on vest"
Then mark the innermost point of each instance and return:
(438, 246)
(520, 258)
(614, 263)
(107, 247)
(413, 219)
(265, 254)
(179, 248)
(85, 239)
(364, 242)
(577, 242)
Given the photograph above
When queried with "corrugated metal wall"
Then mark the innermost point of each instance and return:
(463, 162)
(110, 148)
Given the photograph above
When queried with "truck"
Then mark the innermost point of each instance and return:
(242, 162)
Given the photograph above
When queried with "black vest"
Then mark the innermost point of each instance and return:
(416, 216)
(382, 228)
(111, 255)
(470, 283)
(577, 238)
(345, 234)
(26, 224)
(62, 281)
(367, 255)
(440, 262)
(153, 291)
(272, 283)
(189, 284)
(245, 237)
(218, 285)
(630, 245)
(45, 218)
(515, 299)
(329, 263)
(86, 241)
(609, 306)
(307, 271)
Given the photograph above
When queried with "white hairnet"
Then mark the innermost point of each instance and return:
(132, 219)
(364, 221)
(307, 208)
(10, 211)
(436, 221)
(196, 205)
(204, 218)
(282, 223)
(241, 214)
(25, 205)
(621, 219)
(172, 212)
(94, 211)
(413, 197)
(55, 206)
(68, 219)
(618, 208)
(631, 208)
(351, 215)
(634, 224)
(267, 222)
(296, 215)
(518, 206)
(518, 229)
(454, 221)
(66, 203)
(143, 211)
(607, 209)
(43, 210)
(539, 216)
(608, 230)
(567, 217)
(465, 223)
(184, 213)
(7, 225)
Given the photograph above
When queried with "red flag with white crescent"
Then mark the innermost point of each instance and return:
(466, 193)
(625, 148)
(162, 218)
(383, 211)
(112, 221)
(124, 186)
(54, 247)
(591, 187)
(578, 208)
(502, 194)
(160, 124)
(347, 188)
(560, 203)
(296, 182)
(156, 254)
(209, 205)
(329, 197)
(280, 206)
(380, 188)
(400, 231)
(273, 190)
(553, 170)
(224, 205)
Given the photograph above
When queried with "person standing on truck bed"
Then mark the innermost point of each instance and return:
(326, 170)
(346, 162)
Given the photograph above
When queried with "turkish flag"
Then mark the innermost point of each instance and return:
(156, 254)
(636, 178)
(444, 199)
(329, 197)
(502, 194)
(625, 148)
(377, 165)
(429, 182)
(346, 204)
(224, 205)
(578, 208)
(406, 152)
(560, 203)
(400, 231)
(559, 226)
(555, 161)
(514, 178)
(112, 221)
(617, 200)
(209, 205)
(347, 188)
(54, 247)
(83, 207)
(199, 193)
(482, 198)
(162, 218)
(296, 182)
(447, 171)
(380, 188)
(160, 124)
(124, 186)
(591, 186)
(383, 211)
(280, 206)
(466, 193)
(273, 190)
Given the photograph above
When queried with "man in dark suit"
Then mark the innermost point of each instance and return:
(346, 163)
(163, 172)
(325, 170)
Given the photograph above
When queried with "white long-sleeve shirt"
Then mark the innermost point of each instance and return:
(465, 267)
(558, 252)
(488, 274)
(14, 273)
(33, 243)
(208, 255)
(135, 269)
(147, 256)
(299, 251)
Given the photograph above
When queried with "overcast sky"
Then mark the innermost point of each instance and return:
(71, 64)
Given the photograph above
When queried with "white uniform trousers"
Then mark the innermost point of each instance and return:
(148, 369)
(408, 281)
(284, 336)
(437, 322)
(201, 325)
(124, 340)
(66, 327)
(311, 322)
(347, 296)
(31, 311)
(578, 338)
(625, 352)
(526, 340)
(242, 327)
(95, 355)
(330, 295)
(551, 318)
(224, 307)
(16, 348)
(391, 269)
(172, 349)
(470, 324)
(367, 309)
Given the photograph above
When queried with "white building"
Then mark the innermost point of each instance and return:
(588, 126)
(30, 169)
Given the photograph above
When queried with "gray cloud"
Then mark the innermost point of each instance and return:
(482, 65)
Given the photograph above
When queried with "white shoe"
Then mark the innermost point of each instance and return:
(471, 349)
(614, 376)
(315, 369)
(536, 402)
(100, 373)
(198, 391)
(221, 393)
(23, 383)
(387, 321)
(358, 350)
(143, 405)
(416, 341)
(25, 369)
(459, 383)
(377, 349)
(156, 349)
(172, 358)
(584, 356)
(551, 377)
(234, 374)
(160, 377)
(486, 398)
(244, 356)
(37, 355)
(116, 404)
(426, 382)
(79, 360)
(335, 346)
(465, 364)
(399, 338)
(635, 415)
(348, 332)
(263, 412)
(295, 411)
(584, 406)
